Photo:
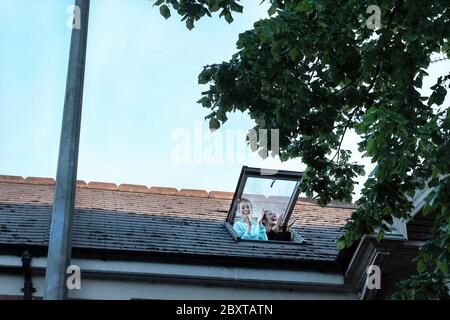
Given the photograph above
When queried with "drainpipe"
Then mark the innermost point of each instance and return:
(28, 284)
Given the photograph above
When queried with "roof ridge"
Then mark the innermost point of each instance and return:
(124, 187)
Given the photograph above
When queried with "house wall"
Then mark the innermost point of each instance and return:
(124, 290)
(108, 280)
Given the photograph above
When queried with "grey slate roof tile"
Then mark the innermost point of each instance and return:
(165, 224)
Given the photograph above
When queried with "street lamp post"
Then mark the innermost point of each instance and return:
(60, 242)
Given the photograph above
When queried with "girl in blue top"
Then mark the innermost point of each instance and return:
(247, 228)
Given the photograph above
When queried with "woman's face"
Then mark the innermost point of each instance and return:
(271, 217)
(245, 208)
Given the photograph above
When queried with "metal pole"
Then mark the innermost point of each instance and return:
(60, 242)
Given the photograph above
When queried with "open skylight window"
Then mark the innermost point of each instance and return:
(262, 205)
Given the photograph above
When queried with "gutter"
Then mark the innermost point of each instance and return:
(151, 271)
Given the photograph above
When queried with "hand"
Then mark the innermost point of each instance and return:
(261, 216)
(247, 219)
(276, 227)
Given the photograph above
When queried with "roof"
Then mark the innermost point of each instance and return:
(159, 221)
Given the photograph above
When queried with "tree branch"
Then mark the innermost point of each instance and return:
(371, 85)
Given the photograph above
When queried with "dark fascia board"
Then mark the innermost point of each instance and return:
(182, 258)
(369, 251)
(356, 269)
(345, 255)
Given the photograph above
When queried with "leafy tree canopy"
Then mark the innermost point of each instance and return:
(314, 70)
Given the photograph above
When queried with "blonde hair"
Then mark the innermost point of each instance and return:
(245, 200)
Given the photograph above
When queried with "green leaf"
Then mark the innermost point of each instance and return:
(158, 2)
(214, 7)
(276, 49)
(380, 235)
(433, 182)
(426, 210)
(272, 10)
(371, 146)
(340, 245)
(438, 96)
(441, 93)
(294, 54)
(229, 17)
(421, 266)
(443, 266)
(361, 171)
(190, 24)
(214, 124)
(236, 7)
(418, 82)
(369, 118)
(304, 6)
(205, 76)
(165, 11)
(205, 101)
(435, 172)
(360, 128)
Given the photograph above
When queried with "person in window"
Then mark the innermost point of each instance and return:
(247, 228)
(272, 226)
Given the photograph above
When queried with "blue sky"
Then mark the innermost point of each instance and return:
(141, 123)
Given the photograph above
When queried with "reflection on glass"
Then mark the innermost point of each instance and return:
(268, 194)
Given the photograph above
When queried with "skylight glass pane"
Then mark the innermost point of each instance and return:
(262, 207)
(267, 194)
